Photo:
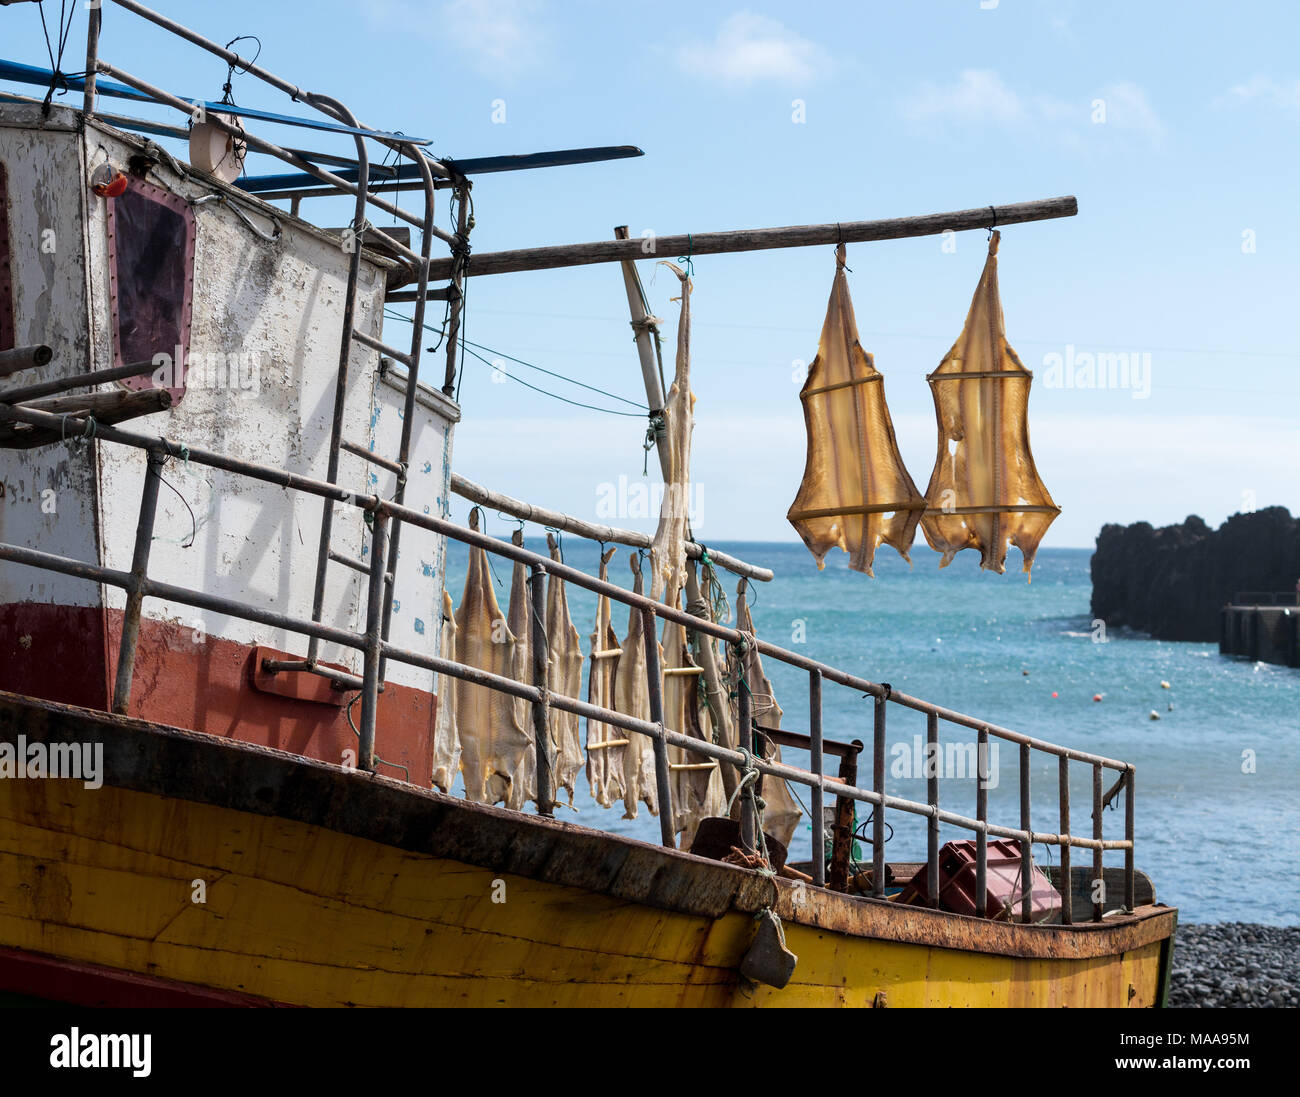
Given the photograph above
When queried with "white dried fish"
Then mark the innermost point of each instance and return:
(446, 742)
(632, 698)
(565, 677)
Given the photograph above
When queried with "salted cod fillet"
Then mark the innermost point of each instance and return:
(985, 492)
(604, 764)
(632, 698)
(493, 745)
(781, 813)
(446, 742)
(565, 677)
(856, 493)
(524, 787)
(697, 793)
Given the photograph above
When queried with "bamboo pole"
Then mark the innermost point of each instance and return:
(792, 236)
(612, 535)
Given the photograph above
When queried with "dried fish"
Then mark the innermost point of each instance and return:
(856, 493)
(696, 779)
(524, 786)
(632, 698)
(565, 677)
(985, 491)
(446, 742)
(604, 760)
(493, 744)
(781, 813)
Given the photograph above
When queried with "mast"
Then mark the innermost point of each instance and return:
(702, 649)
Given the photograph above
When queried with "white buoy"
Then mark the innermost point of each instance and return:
(217, 152)
(1155, 715)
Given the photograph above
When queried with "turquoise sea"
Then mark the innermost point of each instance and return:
(1218, 775)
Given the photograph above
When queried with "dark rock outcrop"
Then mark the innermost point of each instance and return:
(1172, 582)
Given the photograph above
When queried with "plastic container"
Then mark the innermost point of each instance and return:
(1002, 884)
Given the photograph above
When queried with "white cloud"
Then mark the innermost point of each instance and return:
(750, 48)
(977, 95)
(499, 37)
(982, 96)
(1275, 93)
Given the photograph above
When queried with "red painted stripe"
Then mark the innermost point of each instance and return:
(55, 980)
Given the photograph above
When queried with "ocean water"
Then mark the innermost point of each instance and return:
(1218, 775)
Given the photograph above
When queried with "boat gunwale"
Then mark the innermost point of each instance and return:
(178, 763)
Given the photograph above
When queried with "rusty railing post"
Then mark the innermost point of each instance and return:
(663, 783)
(541, 655)
(749, 840)
(1027, 842)
(92, 58)
(1066, 883)
(818, 767)
(1130, 896)
(126, 650)
(982, 816)
(842, 830)
(878, 787)
(1098, 857)
(932, 798)
(374, 641)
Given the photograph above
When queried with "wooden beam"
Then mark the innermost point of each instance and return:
(105, 407)
(794, 236)
(475, 493)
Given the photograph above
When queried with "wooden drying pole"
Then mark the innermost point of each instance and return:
(793, 236)
(611, 535)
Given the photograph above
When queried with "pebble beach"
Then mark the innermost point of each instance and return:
(1236, 964)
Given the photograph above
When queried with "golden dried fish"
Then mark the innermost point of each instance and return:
(696, 779)
(781, 813)
(446, 743)
(632, 698)
(604, 762)
(493, 745)
(565, 677)
(668, 549)
(985, 492)
(856, 493)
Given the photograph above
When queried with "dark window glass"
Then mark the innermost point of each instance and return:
(151, 245)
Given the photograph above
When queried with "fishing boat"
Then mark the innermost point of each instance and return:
(224, 670)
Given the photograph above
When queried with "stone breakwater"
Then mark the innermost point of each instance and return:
(1172, 582)
(1236, 964)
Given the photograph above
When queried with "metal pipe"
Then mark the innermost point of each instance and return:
(878, 813)
(932, 798)
(21, 358)
(982, 816)
(1130, 896)
(818, 768)
(540, 651)
(663, 785)
(77, 381)
(135, 591)
(372, 457)
(374, 644)
(1098, 858)
(92, 58)
(1066, 881)
(749, 834)
(611, 535)
(382, 347)
(1026, 844)
(792, 236)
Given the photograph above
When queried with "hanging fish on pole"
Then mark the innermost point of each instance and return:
(856, 493)
(985, 492)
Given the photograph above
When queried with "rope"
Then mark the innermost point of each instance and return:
(687, 262)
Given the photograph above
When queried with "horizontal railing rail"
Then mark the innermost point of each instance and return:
(387, 516)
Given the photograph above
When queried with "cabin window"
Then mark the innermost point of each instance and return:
(151, 281)
(6, 268)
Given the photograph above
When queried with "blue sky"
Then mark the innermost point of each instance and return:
(1175, 125)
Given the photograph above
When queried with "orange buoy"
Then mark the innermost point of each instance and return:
(1096, 696)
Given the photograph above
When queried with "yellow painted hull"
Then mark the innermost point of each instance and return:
(304, 915)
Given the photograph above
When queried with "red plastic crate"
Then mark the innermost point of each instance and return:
(1002, 883)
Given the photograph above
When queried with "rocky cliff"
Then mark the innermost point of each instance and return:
(1172, 582)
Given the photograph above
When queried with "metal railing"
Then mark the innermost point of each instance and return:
(432, 175)
(389, 515)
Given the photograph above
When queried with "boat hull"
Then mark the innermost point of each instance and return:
(211, 864)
